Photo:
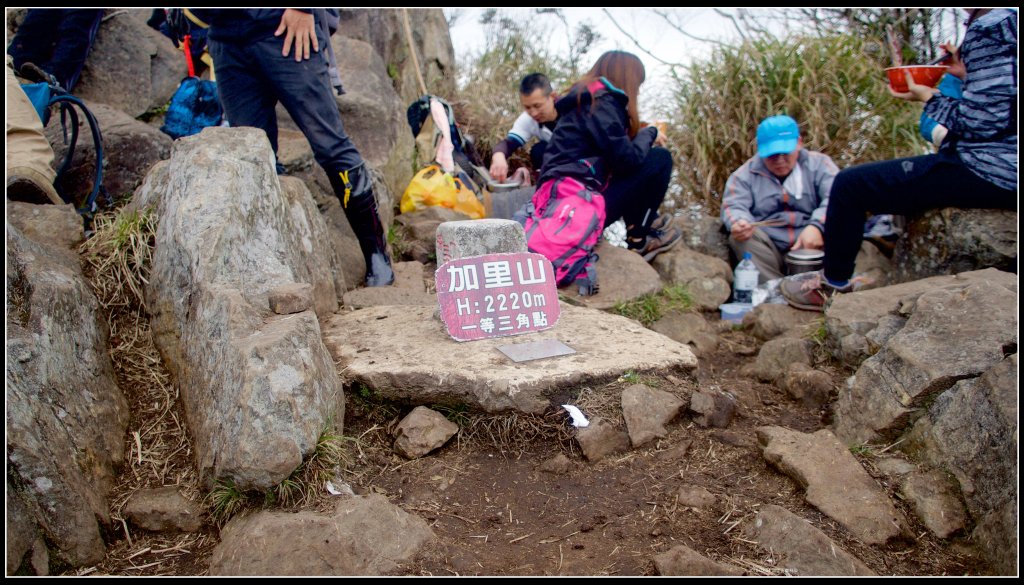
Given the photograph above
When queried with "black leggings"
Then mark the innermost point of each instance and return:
(904, 186)
(637, 196)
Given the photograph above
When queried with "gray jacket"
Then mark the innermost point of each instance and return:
(753, 193)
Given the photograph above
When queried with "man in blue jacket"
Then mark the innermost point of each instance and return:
(776, 201)
(255, 71)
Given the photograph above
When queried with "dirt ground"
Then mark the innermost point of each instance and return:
(495, 512)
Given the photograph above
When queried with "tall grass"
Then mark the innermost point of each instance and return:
(833, 86)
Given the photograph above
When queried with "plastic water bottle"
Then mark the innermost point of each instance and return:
(745, 280)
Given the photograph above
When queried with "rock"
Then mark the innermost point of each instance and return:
(422, 431)
(971, 431)
(712, 408)
(689, 328)
(812, 387)
(258, 388)
(163, 509)
(706, 278)
(374, 117)
(694, 496)
(291, 298)
(804, 549)
(732, 438)
(769, 320)
(934, 500)
(777, 356)
(622, 275)
(676, 452)
(835, 482)
(52, 225)
(407, 356)
(709, 293)
(419, 230)
(557, 465)
(686, 261)
(952, 334)
(130, 149)
(384, 30)
(366, 535)
(894, 466)
(131, 67)
(952, 240)
(22, 530)
(65, 415)
(872, 265)
(857, 314)
(380, 296)
(410, 275)
(461, 239)
(600, 439)
(684, 561)
(647, 411)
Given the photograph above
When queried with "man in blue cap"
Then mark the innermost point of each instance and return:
(776, 201)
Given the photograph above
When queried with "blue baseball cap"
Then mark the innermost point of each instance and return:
(777, 135)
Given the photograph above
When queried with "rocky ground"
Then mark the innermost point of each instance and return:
(514, 495)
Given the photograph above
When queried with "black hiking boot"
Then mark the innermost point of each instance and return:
(355, 191)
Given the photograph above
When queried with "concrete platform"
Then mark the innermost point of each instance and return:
(404, 354)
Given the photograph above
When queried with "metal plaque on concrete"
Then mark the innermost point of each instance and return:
(535, 350)
(495, 295)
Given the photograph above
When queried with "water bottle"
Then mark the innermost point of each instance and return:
(745, 280)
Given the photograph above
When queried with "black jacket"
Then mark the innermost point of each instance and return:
(591, 144)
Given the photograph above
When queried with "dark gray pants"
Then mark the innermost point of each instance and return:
(253, 78)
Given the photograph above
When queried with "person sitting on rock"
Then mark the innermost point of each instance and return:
(537, 121)
(57, 41)
(266, 56)
(976, 166)
(30, 175)
(600, 143)
(776, 201)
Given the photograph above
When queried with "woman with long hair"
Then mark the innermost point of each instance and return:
(600, 144)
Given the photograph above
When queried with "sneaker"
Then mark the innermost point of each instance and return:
(809, 290)
(657, 241)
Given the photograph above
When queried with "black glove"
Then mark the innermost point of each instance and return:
(178, 25)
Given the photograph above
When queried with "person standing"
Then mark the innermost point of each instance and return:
(266, 56)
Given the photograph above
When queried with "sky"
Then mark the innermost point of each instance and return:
(660, 40)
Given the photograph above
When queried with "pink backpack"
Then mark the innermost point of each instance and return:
(565, 226)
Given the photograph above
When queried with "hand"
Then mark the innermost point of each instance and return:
(660, 139)
(810, 238)
(916, 93)
(742, 230)
(956, 66)
(499, 167)
(300, 29)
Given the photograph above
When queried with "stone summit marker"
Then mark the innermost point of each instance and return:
(495, 295)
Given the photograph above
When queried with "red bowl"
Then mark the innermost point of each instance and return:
(922, 74)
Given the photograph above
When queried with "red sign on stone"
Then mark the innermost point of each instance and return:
(496, 295)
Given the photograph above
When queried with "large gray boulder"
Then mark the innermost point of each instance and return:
(384, 30)
(65, 416)
(622, 275)
(971, 430)
(258, 388)
(859, 324)
(952, 240)
(950, 335)
(706, 277)
(131, 67)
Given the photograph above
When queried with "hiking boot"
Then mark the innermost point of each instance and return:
(657, 240)
(809, 290)
(20, 188)
(355, 191)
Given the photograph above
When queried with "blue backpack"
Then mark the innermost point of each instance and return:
(195, 104)
(48, 93)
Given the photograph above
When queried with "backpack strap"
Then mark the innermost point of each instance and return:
(68, 104)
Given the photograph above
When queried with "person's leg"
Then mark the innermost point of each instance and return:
(75, 37)
(247, 96)
(903, 186)
(768, 259)
(637, 196)
(36, 36)
(305, 91)
(29, 154)
(537, 154)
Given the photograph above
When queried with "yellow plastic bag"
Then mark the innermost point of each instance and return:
(433, 187)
